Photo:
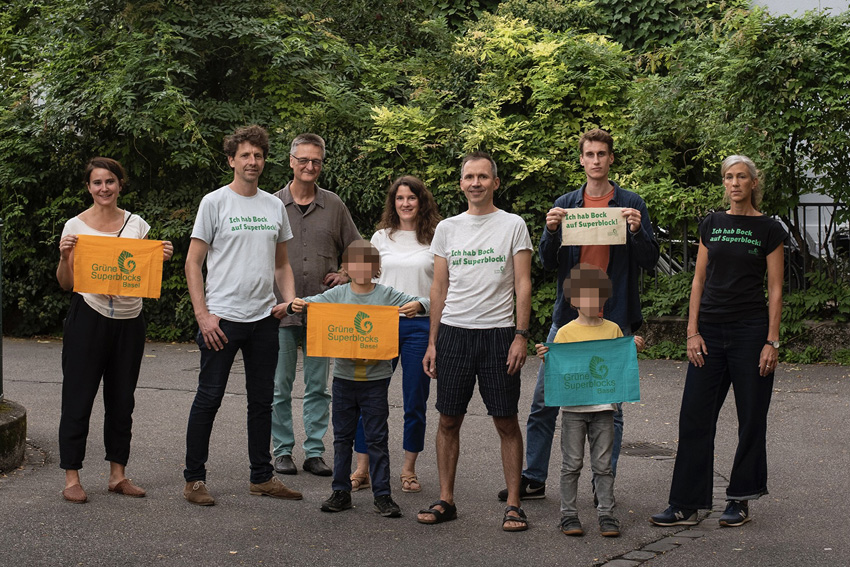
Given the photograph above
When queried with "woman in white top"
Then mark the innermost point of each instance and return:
(104, 337)
(404, 241)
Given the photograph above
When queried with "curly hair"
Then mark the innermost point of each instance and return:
(253, 134)
(427, 217)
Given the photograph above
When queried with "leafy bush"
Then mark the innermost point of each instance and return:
(665, 295)
(810, 355)
(667, 350)
(823, 300)
(841, 356)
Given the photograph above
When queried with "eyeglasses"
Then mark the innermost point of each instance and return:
(304, 161)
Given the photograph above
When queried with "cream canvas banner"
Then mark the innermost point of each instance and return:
(118, 266)
(587, 227)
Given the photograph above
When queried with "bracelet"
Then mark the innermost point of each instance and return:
(289, 310)
(692, 336)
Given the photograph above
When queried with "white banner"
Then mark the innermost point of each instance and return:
(583, 227)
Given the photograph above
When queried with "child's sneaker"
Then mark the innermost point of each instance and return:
(386, 506)
(609, 526)
(340, 500)
(737, 513)
(570, 525)
(673, 516)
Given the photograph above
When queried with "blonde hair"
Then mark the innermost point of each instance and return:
(755, 175)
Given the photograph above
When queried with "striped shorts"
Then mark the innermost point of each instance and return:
(463, 355)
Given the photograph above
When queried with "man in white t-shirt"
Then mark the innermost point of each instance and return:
(482, 259)
(241, 233)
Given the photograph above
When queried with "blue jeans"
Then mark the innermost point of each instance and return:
(540, 430)
(732, 359)
(316, 412)
(368, 398)
(415, 384)
(598, 428)
(258, 342)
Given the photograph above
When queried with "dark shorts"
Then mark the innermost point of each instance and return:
(463, 355)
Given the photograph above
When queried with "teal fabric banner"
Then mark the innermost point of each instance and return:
(591, 372)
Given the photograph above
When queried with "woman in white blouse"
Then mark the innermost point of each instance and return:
(103, 339)
(404, 241)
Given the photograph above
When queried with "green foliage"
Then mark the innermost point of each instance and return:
(155, 85)
(403, 87)
(666, 295)
(647, 24)
(774, 88)
(823, 300)
(557, 15)
(811, 355)
(667, 350)
(841, 356)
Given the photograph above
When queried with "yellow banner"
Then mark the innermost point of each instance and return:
(118, 266)
(352, 331)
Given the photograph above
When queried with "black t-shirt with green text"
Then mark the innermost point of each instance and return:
(738, 247)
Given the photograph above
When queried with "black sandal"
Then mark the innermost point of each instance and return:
(521, 518)
(448, 513)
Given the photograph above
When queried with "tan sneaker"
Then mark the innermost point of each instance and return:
(274, 488)
(196, 492)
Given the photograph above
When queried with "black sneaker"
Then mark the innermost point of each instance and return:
(737, 514)
(673, 516)
(609, 526)
(528, 490)
(570, 525)
(386, 506)
(340, 500)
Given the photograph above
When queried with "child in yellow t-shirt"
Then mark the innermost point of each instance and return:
(587, 288)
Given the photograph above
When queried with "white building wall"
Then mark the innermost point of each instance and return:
(778, 7)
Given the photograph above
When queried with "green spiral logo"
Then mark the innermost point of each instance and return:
(126, 266)
(598, 368)
(362, 327)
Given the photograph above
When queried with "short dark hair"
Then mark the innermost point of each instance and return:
(106, 163)
(476, 156)
(427, 217)
(587, 276)
(596, 135)
(307, 138)
(253, 134)
(365, 250)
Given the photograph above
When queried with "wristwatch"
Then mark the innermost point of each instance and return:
(523, 333)
(774, 344)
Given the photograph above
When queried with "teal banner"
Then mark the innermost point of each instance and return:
(591, 372)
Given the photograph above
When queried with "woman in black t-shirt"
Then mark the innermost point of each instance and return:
(733, 337)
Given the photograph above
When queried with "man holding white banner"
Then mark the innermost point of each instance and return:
(621, 262)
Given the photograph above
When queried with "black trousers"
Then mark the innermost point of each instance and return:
(95, 347)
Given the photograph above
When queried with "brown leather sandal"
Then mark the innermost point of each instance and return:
(410, 483)
(359, 482)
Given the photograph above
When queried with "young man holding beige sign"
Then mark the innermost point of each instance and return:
(622, 263)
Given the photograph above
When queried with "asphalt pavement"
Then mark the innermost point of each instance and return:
(799, 523)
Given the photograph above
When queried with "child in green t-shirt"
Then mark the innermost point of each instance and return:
(360, 386)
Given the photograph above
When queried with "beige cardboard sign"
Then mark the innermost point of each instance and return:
(583, 227)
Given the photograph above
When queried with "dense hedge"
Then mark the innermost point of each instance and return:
(398, 88)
